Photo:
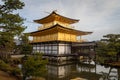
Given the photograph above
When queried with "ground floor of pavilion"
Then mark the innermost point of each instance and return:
(61, 50)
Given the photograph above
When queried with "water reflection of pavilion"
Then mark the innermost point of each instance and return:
(58, 72)
(71, 71)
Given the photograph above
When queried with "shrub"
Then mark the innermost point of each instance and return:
(16, 71)
(4, 67)
(7, 68)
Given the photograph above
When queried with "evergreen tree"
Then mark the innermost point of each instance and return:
(34, 66)
(113, 45)
(11, 24)
(26, 47)
(109, 47)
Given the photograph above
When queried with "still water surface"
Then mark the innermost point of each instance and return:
(70, 71)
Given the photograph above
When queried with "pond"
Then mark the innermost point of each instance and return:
(81, 71)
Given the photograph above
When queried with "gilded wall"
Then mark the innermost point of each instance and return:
(57, 36)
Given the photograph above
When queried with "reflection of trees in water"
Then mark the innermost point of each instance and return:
(104, 76)
(119, 73)
(81, 70)
(87, 71)
(113, 74)
(86, 67)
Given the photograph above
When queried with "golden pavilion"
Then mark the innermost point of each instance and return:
(56, 35)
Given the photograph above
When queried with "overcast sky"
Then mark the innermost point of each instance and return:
(99, 16)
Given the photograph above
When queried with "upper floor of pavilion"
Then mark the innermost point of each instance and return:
(56, 27)
(53, 19)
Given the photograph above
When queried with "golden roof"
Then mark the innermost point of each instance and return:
(54, 16)
(58, 28)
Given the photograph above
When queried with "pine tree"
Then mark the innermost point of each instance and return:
(11, 24)
(34, 66)
(109, 48)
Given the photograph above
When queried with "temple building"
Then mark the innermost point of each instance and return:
(56, 35)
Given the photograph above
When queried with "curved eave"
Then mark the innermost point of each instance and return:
(77, 32)
(59, 28)
(53, 16)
